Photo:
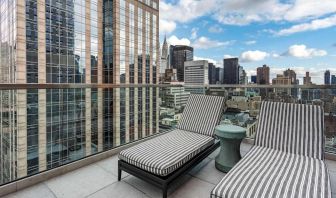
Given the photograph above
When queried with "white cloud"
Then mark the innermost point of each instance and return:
(243, 12)
(194, 33)
(185, 10)
(206, 43)
(275, 55)
(167, 26)
(215, 29)
(173, 40)
(301, 51)
(313, 25)
(250, 42)
(251, 56)
(303, 9)
(182, 12)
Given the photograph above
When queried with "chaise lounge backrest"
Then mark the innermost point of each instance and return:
(202, 113)
(292, 128)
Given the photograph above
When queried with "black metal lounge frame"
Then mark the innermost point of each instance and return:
(164, 182)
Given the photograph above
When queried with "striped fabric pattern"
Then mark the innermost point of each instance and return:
(265, 173)
(287, 160)
(293, 128)
(202, 114)
(166, 153)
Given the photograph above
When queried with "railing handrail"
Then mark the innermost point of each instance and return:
(14, 86)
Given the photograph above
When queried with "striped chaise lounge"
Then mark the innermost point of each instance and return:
(163, 159)
(287, 159)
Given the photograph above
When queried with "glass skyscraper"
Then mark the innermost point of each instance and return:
(75, 42)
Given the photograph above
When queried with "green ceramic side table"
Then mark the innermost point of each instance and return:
(230, 137)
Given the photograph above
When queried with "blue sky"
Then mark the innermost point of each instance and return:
(297, 34)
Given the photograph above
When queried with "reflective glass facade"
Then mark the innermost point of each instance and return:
(66, 63)
(130, 57)
(74, 42)
(8, 102)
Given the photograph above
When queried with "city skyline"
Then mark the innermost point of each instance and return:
(280, 34)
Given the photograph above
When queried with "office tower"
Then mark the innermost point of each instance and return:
(196, 74)
(307, 79)
(170, 75)
(282, 80)
(219, 75)
(254, 79)
(242, 76)
(178, 55)
(333, 82)
(164, 57)
(292, 76)
(231, 71)
(333, 79)
(327, 77)
(75, 42)
(263, 75)
(175, 97)
(212, 74)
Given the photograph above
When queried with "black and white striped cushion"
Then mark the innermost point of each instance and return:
(166, 153)
(293, 128)
(265, 173)
(202, 114)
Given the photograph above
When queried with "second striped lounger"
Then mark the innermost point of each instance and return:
(287, 160)
(163, 159)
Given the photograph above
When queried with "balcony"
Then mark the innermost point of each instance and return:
(94, 174)
(100, 180)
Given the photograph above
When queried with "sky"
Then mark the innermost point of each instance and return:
(296, 34)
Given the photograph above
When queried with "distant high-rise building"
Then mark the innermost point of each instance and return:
(254, 79)
(242, 76)
(263, 75)
(170, 75)
(212, 74)
(219, 75)
(231, 71)
(178, 55)
(164, 57)
(196, 74)
(282, 80)
(333, 82)
(175, 97)
(327, 77)
(307, 79)
(292, 76)
(333, 79)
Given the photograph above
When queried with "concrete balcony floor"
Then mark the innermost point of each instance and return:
(99, 180)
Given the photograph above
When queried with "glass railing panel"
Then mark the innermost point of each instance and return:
(243, 105)
(44, 128)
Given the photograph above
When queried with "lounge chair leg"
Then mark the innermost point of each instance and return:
(164, 191)
(119, 174)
